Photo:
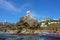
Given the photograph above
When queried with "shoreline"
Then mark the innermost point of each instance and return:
(38, 34)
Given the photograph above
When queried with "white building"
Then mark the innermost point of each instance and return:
(43, 25)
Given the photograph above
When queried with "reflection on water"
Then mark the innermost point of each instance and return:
(25, 37)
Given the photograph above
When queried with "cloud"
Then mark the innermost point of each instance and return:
(7, 5)
(10, 6)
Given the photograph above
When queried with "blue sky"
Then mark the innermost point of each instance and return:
(12, 10)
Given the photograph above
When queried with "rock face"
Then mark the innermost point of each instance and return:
(28, 19)
(32, 22)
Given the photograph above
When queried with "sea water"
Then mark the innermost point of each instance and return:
(4, 36)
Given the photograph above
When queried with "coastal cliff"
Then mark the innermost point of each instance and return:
(29, 25)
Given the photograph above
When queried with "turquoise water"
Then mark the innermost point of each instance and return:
(4, 36)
